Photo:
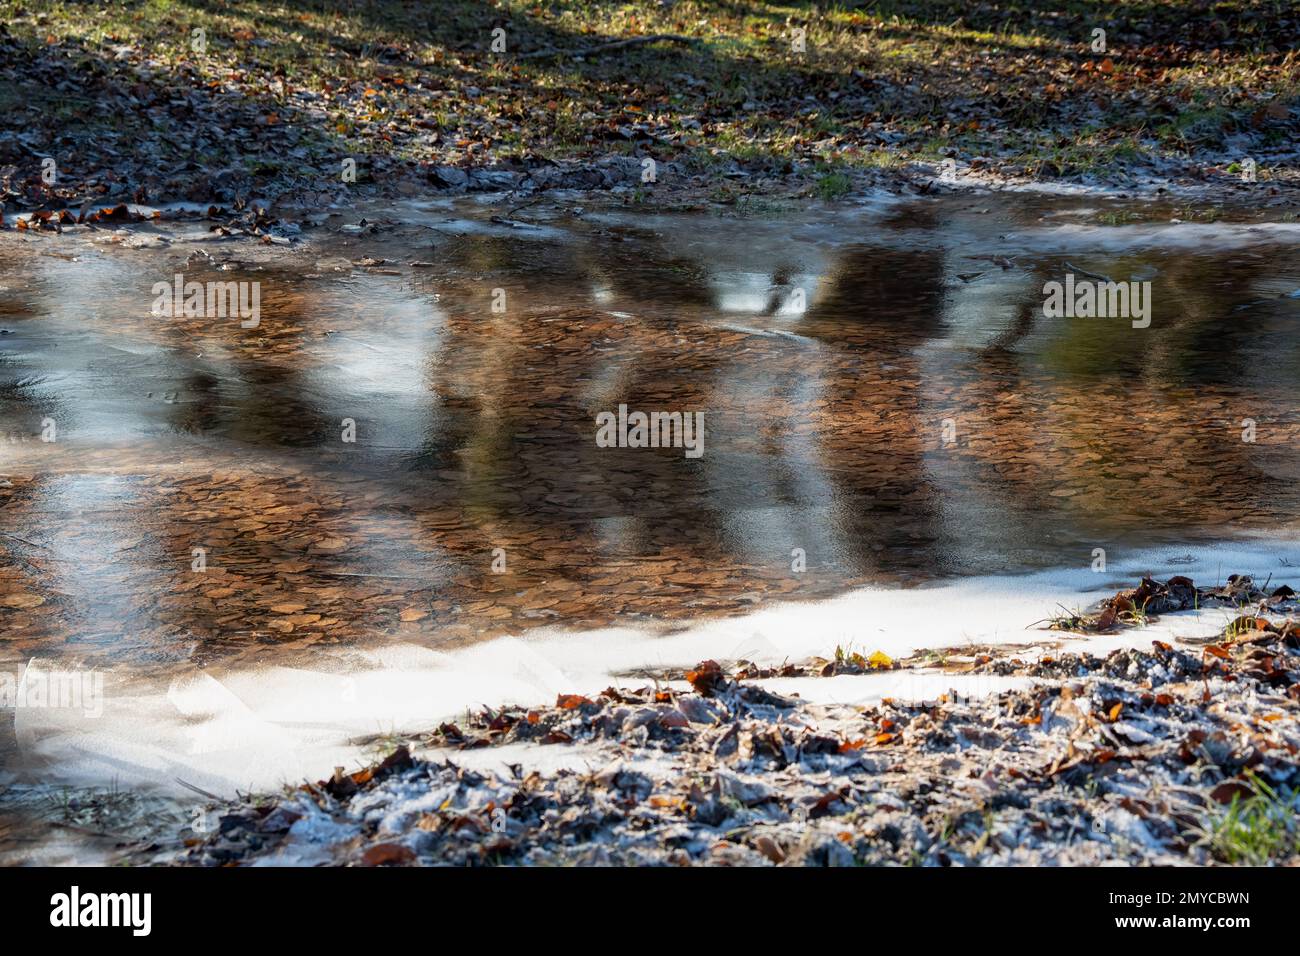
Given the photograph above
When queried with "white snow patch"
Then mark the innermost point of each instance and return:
(259, 729)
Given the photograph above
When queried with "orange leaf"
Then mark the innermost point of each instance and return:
(570, 701)
(1115, 711)
(706, 677)
(384, 854)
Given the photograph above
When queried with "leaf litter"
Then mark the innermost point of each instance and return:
(1138, 757)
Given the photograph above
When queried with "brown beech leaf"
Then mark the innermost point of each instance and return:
(706, 678)
(387, 854)
(1225, 791)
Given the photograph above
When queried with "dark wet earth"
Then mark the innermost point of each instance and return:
(880, 389)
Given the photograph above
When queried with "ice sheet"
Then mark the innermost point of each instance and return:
(260, 728)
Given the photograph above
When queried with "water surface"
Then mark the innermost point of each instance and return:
(883, 398)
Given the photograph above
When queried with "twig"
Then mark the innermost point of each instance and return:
(531, 202)
(1085, 272)
(613, 45)
(200, 791)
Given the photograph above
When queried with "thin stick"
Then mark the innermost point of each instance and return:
(1085, 272)
(200, 791)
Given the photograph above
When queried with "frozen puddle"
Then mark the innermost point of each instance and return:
(260, 728)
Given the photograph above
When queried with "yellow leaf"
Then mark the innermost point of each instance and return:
(880, 659)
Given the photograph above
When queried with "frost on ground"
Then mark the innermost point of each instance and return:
(1168, 756)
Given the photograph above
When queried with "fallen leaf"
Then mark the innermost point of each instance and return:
(765, 845)
(387, 854)
(1225, 791)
